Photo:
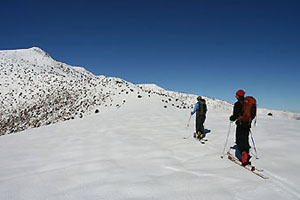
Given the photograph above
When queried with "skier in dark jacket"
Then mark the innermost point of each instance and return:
(200, 109)
(242, 128)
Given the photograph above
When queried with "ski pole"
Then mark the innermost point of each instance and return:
(222, 155)
(256, 156)
(187, 127)
(189, 122)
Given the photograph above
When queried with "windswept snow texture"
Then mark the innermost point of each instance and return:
(138, 152)
(126, 141)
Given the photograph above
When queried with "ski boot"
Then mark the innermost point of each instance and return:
(245, 158)
(199, 135)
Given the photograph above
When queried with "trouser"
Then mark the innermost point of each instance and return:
(242, 138)
(200, 119)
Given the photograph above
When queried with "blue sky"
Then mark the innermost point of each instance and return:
(210, 48)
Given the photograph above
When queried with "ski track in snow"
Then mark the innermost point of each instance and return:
(284, 185)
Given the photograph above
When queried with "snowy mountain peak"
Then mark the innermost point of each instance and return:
(33, 54)
(39, 50)
(19, 52)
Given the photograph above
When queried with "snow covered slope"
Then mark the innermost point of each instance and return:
(133, 148)
(36, 90)
(128, 153)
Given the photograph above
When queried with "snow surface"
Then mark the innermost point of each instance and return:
(138, 152)
(133, 148)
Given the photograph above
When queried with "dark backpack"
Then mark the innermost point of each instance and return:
(202, 107)
(249, 109)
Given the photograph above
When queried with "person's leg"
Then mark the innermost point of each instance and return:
(244, 141)
(202, 120)
(198, 122)
(238, 137)
(244, 145)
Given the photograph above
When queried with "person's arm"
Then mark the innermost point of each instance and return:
(236, 111)
(195, 108)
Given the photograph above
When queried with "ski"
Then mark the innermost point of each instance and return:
(202, 142)
(237, 161)
(250, 168)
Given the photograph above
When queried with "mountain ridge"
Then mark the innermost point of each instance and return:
(36, 90)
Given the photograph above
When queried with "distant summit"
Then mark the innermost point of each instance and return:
(40, 51)
(21, 52)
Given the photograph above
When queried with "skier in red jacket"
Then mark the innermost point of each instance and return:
(242, 128)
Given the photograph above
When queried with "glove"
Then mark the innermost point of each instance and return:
(191, 113)
(231, 118)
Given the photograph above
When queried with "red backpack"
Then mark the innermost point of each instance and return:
(249, 109)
